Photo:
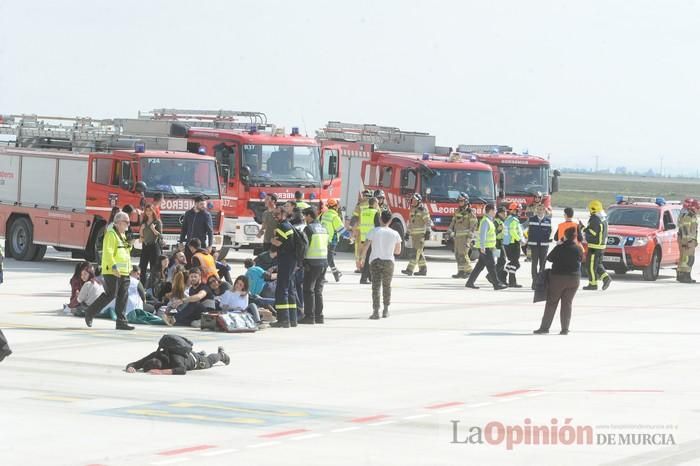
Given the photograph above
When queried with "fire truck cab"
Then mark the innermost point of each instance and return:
(64, 199)
(642, 235)
(402, 163)
(255, 159)
(517, 176)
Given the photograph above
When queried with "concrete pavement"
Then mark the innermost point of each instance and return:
(450, 368)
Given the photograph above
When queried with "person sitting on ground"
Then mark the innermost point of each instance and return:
(262, 283)
(137, 293)
(218, 287)
(76, 283)
(267, 260)
(158, 281)
(89, 292)
(236, 300)
(179, 258)
(200, 299)
(222, 268)
(202, 260)
(162, 362)
(174, 297)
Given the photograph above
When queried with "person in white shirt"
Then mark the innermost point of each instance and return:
(386, 243)
(236, 300)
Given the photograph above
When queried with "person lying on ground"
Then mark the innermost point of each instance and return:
(163, 362)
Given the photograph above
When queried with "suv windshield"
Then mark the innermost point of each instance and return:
(446, 185)
(647, 218)
(526, 180)
(282, 164)
(180, 176)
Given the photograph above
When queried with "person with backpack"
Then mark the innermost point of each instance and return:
(174, 356)
(290, 245)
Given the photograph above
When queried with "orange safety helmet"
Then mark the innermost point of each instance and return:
(513, 206)
(332, 203)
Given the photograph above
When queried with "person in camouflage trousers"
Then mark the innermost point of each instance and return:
(687, 239)
(418, 230)
(463, 229)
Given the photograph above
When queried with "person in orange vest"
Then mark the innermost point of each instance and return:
(568, 222)
(202, 259)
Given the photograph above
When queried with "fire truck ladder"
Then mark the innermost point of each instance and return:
(221, 119)
(365, 133)
(82, 134)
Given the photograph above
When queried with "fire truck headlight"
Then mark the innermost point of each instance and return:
(251, 230)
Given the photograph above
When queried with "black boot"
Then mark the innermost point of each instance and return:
(375, 315)
(606, 283)
(308, 320)
(385, 313)
(124, 326)
(224, 357)
(422, 271)
(541, 331)
(337, 274)
(408, 272)
(459, 274)
(282, 319)
(513, 282)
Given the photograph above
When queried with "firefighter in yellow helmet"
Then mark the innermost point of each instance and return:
(596, 235)
(355, 225)
(463, 229)
(419, 225)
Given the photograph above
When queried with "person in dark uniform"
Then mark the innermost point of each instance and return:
(164, 363)
(283, 242)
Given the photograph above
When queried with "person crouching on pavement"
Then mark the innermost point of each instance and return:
(563, 282)
(385, 243)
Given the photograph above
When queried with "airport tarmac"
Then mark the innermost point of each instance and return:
(454, 376)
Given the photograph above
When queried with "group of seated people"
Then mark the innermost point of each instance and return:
(187, 284)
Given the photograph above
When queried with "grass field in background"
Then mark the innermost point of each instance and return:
(578, 190)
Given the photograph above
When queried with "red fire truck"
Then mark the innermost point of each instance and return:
(255, 158)
(518, 176)
(64, 199)
(402, 163)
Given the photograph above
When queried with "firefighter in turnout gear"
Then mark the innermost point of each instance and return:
(331, 221)
(419, 225)
(463, 229)
(596, 233)
(381, 203)
(355, 225)
(512, 238)
(687, 239)
(368, 220)
(537, 204)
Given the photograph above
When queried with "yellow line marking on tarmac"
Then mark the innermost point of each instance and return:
(67, 399)
(194, 417)
(265, 412)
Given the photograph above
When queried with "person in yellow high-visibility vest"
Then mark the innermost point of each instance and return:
(355, 225)
(596, 233)
(315, 265)
(116, 267)
(486, 243)
(330, 219)
(368, 220)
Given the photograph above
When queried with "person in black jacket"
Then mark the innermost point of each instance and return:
(564, 281)
(164, 363)
(539, 235)
(198, 223)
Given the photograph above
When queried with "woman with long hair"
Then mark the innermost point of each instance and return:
(150, 233)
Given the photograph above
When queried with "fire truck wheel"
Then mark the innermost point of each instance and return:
(651, 271)
(21, 241)
(223, 252)
(405, 252)
(40, 252)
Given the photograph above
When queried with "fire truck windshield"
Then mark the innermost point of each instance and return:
(180, 176)
(525, 179)
(290, 165)
(446, 185)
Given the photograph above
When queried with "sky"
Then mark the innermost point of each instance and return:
(567, 79)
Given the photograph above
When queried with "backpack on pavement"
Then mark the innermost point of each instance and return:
(175, 344)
